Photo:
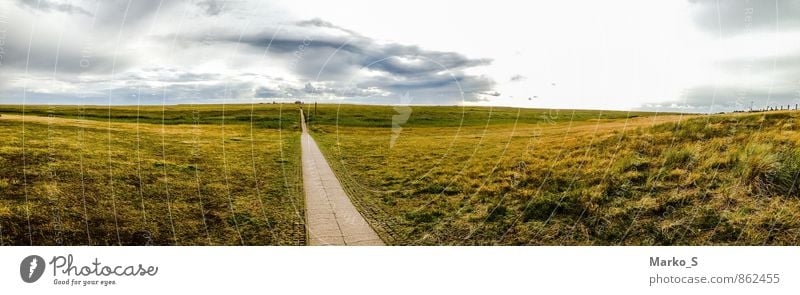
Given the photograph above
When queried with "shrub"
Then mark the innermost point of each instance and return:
(769, 172)
(760, 167)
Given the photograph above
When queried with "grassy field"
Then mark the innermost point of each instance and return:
(180, 175)
(501, 176)
(204, 175)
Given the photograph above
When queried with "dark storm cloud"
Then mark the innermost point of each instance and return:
(781, 68)
(363, 52)
(330, 61)
(764, 81)
(321, 51)
(739, 16)
(726, 98)
(48, 6)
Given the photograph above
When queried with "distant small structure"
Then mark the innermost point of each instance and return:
(298, 102)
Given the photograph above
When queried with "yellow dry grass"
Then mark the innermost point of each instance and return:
(70, 181)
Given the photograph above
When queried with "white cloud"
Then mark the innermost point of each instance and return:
(612, 54)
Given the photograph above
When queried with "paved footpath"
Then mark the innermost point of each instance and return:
(331, 219)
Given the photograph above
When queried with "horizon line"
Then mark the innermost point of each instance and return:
(360, 104)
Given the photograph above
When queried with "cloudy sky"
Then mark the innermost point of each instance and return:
(695, 56)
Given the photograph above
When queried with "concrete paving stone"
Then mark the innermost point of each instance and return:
(331, 218)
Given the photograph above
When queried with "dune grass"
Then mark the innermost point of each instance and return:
(191, 175)
(578, 178)
(78, 179)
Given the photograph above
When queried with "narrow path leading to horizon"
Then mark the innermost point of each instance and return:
(331, 219)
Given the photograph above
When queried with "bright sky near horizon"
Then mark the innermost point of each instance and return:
(695, 56)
